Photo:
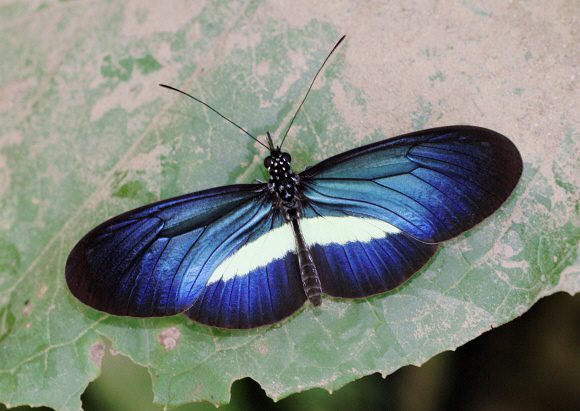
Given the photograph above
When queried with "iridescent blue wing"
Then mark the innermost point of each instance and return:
(159, 259)
(428, 186)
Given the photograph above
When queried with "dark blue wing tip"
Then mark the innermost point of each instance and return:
(99, 265)
(496, 159)
(476, 169)
(210, 320)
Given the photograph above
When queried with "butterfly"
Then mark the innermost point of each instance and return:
(354, 225)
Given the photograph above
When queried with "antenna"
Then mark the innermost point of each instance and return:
(309, 88)
(215, 111)
(270, 145)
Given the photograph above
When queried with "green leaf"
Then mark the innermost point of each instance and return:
(86, 134)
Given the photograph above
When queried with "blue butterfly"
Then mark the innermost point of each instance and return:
(354, 225)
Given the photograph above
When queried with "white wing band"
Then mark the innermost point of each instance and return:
(276, 243)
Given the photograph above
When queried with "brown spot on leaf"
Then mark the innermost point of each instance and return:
(97, 353)
(169, 338)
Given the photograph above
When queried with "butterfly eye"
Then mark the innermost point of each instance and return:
(286, 157)
(268, 162)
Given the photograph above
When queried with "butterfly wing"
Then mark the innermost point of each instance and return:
(427, 186)
(156, 260)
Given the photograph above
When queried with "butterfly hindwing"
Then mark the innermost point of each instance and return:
(265, 295)
(358, 256)
(256, 285)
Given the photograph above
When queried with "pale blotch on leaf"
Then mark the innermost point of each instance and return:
(27, 308)
(41, 290)
(169, 338)
(97, 353)
(263, 349)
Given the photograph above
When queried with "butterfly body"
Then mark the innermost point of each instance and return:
(286, 196)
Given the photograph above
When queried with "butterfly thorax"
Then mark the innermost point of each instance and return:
(283, 181)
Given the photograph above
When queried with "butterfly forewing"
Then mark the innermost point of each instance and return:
(432, 184)
(155, 260)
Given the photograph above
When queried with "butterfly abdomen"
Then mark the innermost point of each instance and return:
(308, 273)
